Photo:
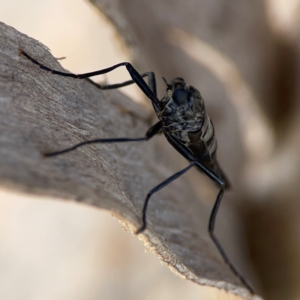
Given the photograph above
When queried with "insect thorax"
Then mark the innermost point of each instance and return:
(184, 116)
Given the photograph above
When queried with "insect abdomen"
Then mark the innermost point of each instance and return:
(204, 147)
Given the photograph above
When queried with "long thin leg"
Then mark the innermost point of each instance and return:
(212, 221)
(211, 226)
(213, 176)
(153, 130)
(151, 83)
(156, 189)
(136, 77)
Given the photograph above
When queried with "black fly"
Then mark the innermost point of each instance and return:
(185, 124)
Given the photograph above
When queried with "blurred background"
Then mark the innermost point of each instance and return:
(244, 57)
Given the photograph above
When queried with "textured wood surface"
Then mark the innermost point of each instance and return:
(40, 112)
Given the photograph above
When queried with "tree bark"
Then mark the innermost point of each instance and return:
(41, 112)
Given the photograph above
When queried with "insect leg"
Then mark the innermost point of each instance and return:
(153, 130)
(136, 77)
(156, 189)
(151, 83)
(212, 221)
(181, 148)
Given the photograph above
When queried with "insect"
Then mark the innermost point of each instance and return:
(186, 125)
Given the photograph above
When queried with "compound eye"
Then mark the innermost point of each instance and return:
(180, 96)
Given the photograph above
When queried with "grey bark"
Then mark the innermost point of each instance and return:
(40, 112)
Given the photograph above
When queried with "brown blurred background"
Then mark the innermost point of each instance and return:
(244, 57)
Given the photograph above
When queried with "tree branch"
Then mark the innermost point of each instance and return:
(41, 112)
